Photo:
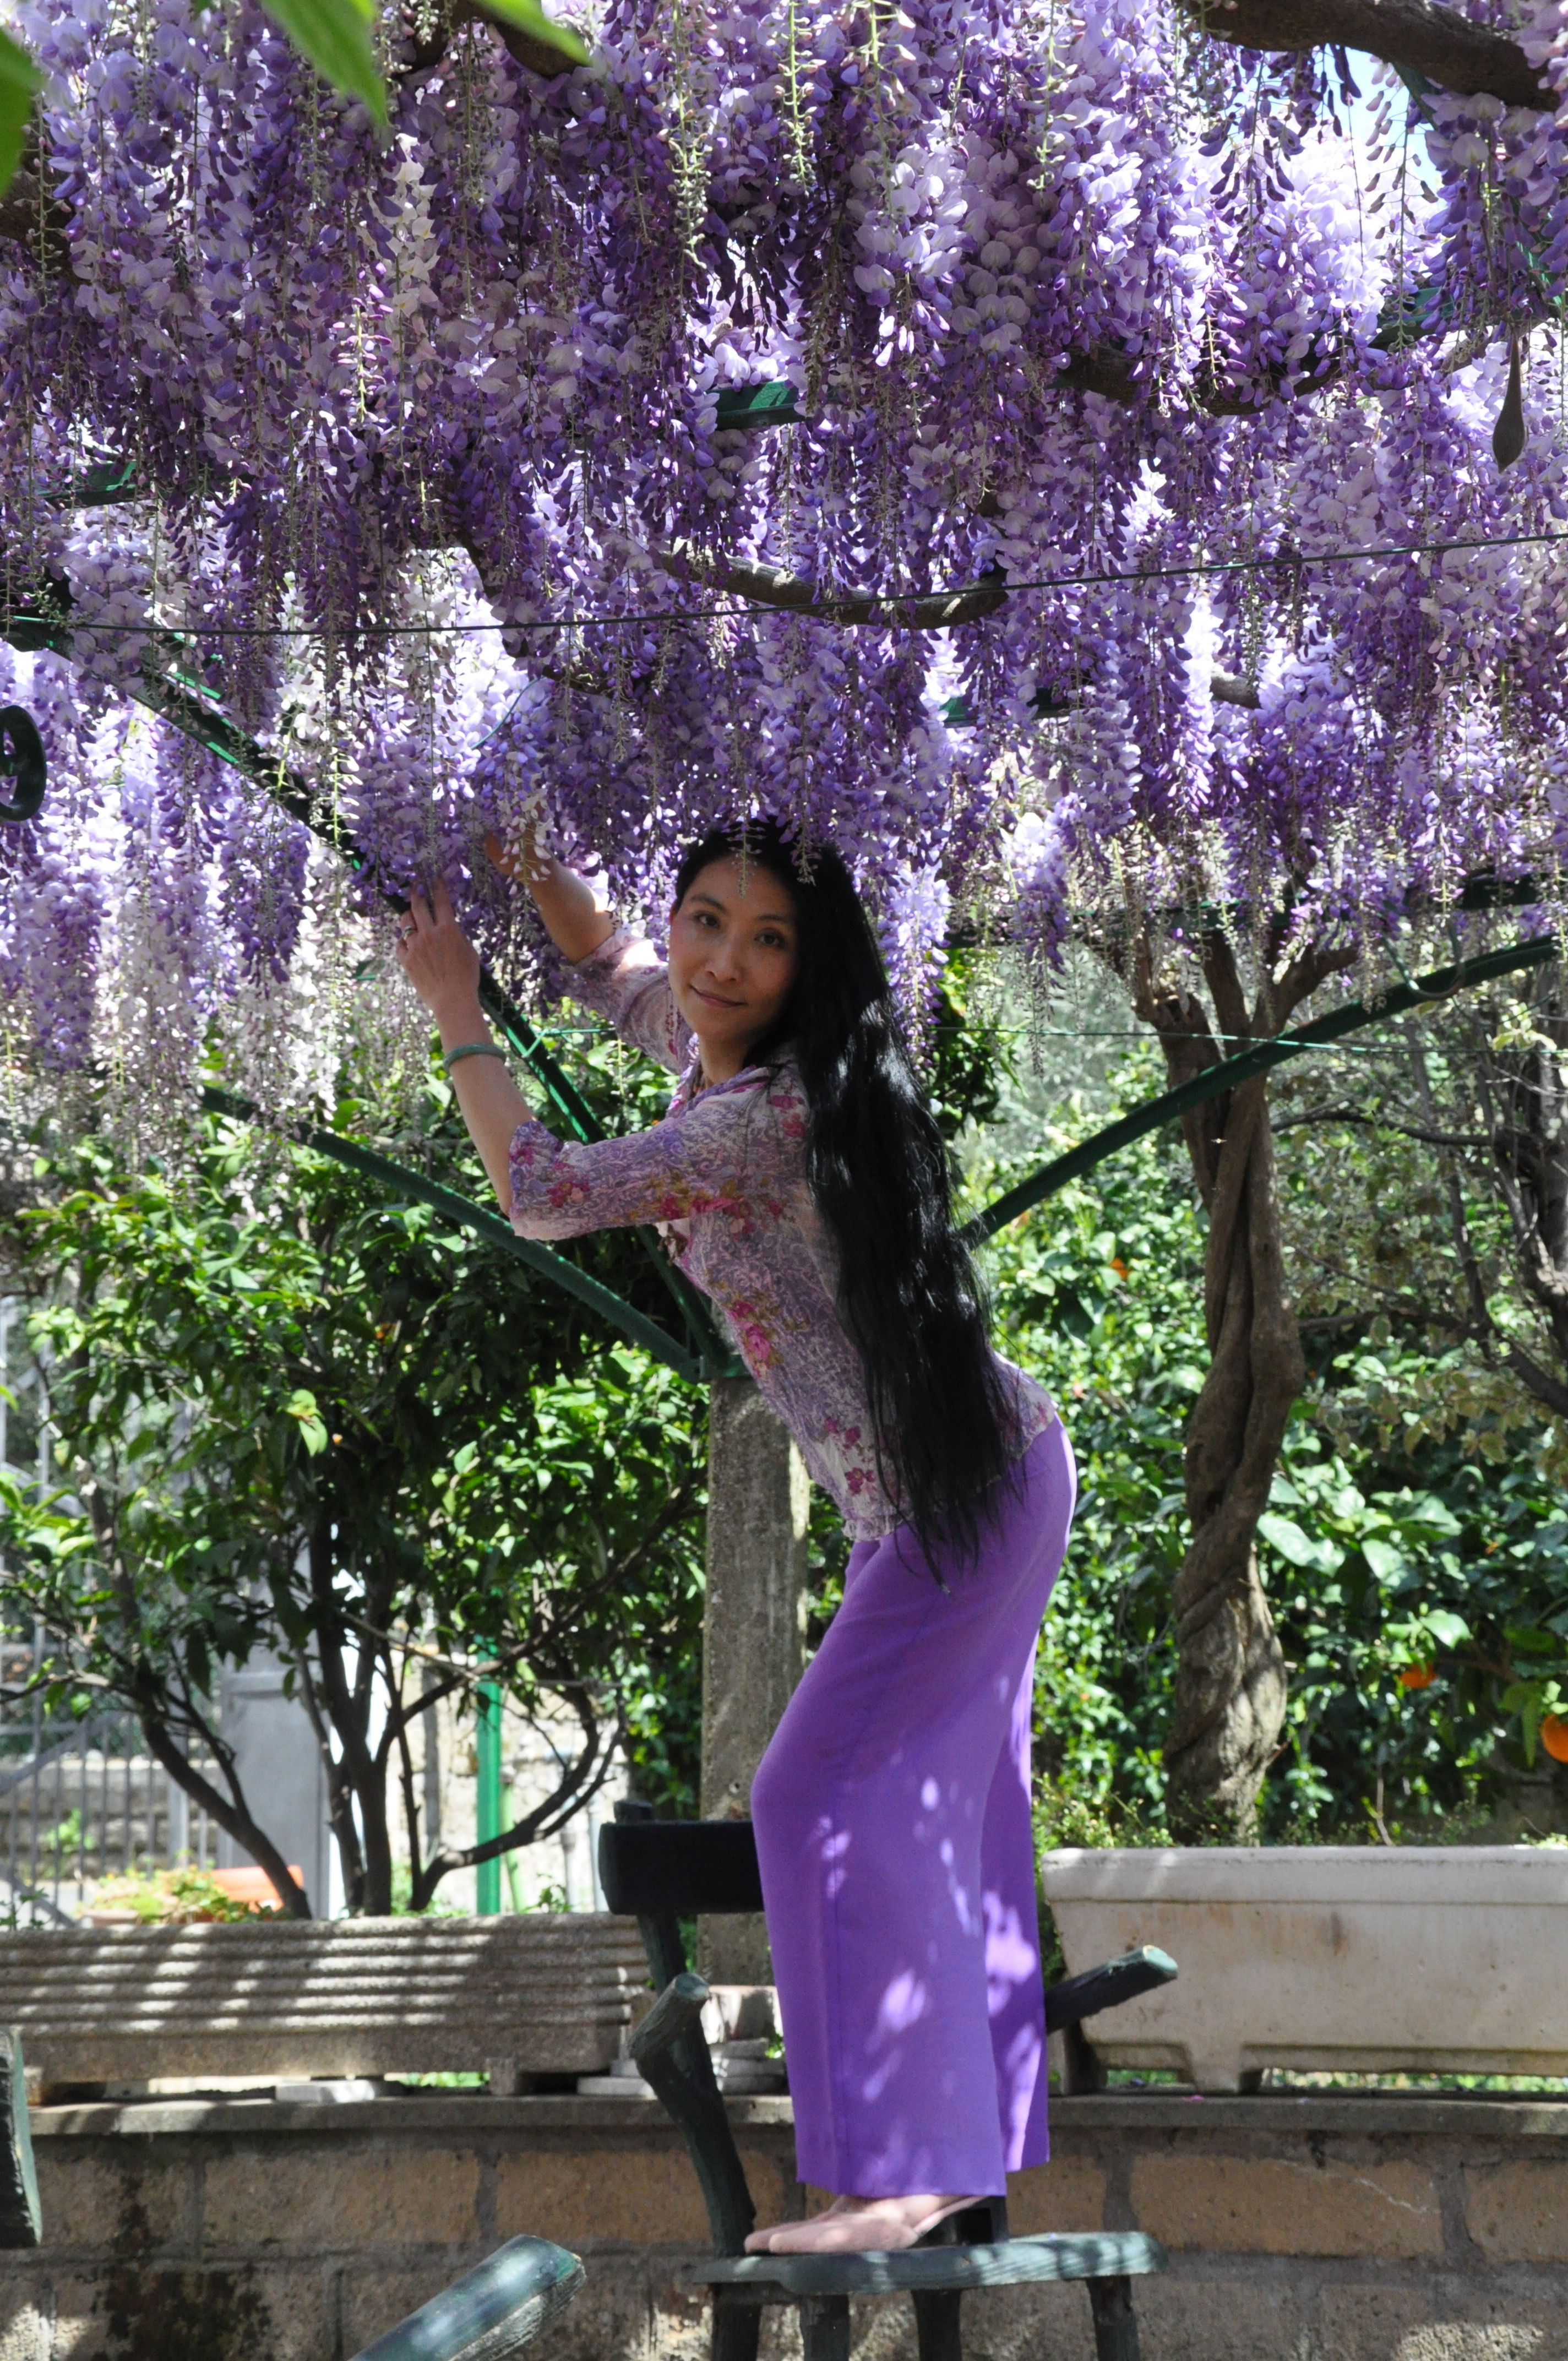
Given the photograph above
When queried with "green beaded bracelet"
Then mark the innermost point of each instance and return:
(472, 1050)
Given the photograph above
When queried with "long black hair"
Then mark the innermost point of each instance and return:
(944, 1425)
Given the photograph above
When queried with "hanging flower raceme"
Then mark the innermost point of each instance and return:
(581, 444)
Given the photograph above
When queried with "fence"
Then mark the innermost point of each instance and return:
(79, 1800)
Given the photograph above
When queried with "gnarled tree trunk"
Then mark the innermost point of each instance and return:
(1231, 1685)
(1523, 1101)
(1231, 1682)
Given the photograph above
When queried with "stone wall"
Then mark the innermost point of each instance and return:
(1324, 2228)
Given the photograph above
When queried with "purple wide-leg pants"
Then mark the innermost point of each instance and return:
(891, 1813)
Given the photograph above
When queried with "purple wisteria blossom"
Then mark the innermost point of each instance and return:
(437, 492)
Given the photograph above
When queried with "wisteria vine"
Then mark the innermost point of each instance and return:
(1059, 288)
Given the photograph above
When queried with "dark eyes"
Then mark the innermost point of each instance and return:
(773, 940)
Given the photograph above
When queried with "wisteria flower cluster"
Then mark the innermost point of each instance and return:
(601, 445)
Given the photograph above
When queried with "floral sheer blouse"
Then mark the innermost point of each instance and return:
(724, 1175)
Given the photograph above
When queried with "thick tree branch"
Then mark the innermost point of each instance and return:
(234, 1821)
(412, 1815)
(339, 1793)
(770, 585)
(331, 1711)
(420, 52)
(578, 1784)
(1310, 968)
(1538, 1380)
(1529, 1140)
(1484, 1328)
(1380, 1122)
(33, 215)
(1421, 37)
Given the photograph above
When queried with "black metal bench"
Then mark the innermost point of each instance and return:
(661, 1872)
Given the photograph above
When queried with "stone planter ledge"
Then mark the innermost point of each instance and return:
(1340, 1957)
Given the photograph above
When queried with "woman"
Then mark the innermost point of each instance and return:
(804, 1186)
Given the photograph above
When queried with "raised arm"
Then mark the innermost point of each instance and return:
(631, 985)
(573, 912)
(444, 967)
(726, 1153)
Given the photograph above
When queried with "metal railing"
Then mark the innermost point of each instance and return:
(80, 1800)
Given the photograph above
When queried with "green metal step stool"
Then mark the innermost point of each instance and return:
(492, 2311)
(659, 1871)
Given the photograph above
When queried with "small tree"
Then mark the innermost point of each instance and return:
(291, 1413)
(1412, 1549)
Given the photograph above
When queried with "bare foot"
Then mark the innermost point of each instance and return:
(860, 2226)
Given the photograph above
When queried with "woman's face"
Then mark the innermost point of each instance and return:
(734, 955)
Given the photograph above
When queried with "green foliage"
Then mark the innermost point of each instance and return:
(58, 1844)
(273, 1351)
(184, 1895)
(338, 38)
(334, 36)
(20, 82)
(530, 19)
(1428, 1623)
(1095, 1293)
(1381, 1556)
(972, 1057)
(292, 1412)
(1417, 1180)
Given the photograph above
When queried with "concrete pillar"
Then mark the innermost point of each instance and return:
(753, 1627)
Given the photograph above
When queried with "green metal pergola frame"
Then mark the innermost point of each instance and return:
(180, 697)
(1441, 985)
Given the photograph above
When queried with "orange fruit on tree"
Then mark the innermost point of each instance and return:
(1418, 1676)
(1555, 1737)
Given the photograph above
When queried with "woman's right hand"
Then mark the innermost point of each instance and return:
(526, 861)
(575, 916)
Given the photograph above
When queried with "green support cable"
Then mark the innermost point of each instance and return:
(1440, 985)
(491, 1227)
(488, 1799)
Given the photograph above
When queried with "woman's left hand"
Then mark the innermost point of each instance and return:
(438, 959)
(444, 967)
